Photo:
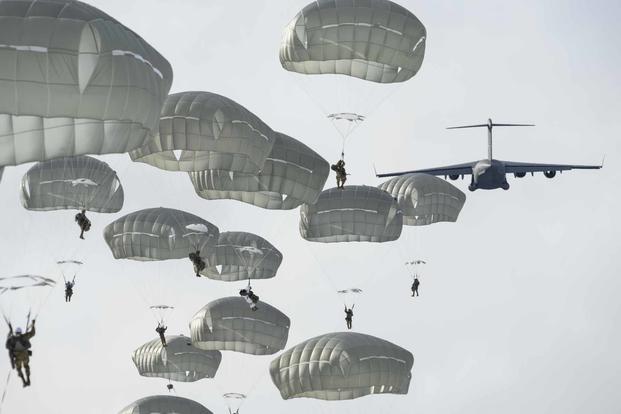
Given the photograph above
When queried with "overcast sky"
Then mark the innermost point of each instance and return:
(519, 308)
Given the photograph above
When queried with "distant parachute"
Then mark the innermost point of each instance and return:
(23, 296)
(342, 366)
(374, 40)
(165, 404)
(201, 131)
(234, 401)
(228, 324)
(178, 361)
(159, 234)
(351, 214)
(351, 55)
(76, 81)
(239, 256)
(292, 174)
(349, 296)
(79, 182)
(425, 199)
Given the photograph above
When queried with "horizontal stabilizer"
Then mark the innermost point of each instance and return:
(469, 126)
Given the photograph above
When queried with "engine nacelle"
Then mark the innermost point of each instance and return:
(549, 174)
(519, 174)
(453, 176)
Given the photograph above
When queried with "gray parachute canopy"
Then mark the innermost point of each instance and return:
(165, 404)
(342, 366)
(351, 214)
(79, 182)
(208, 131)
(292, 174)
(374, 40)
(228, 324)
(74, 81)
(178, 361)
(159, 234)
(425, 199)
(239, 256)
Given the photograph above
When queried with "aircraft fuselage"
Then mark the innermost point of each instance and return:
(489, 175)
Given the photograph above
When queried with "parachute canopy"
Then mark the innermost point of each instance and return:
(228, 324)
(292, 174)
(351, 214)
(165, 404)
(425, 199)
(79, 182)
(159, 234)
(14, 283)
(178, 361)
(240, 256)
(74, 81)
(234, 400)
(22, 296)
(342, 366)
(207, 131)
(374, 40)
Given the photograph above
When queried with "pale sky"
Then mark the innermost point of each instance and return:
(519, 308)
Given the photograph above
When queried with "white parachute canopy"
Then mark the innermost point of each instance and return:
(240, 255)
(178, 361)
(69, 269)
(425, 199)
(23, 296)
(342, 366)
(161, 312)
(349, 56)
(228, 324)
(159, 234)
(350, 296)
(351, 214)
(292, 174)
(165, 404)
(75, 81)
(415, 267)
(79, 182)
(205, 131)
(233, 401)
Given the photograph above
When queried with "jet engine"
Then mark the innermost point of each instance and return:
(453, 176)
(519, 174)
(549, 174)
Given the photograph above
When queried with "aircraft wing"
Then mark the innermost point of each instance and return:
(457, 169)
(526, 167)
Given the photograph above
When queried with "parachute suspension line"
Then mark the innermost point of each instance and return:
(333, 289)
(6, 388)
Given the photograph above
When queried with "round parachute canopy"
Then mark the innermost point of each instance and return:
(79, 182)
(351, 214)
(202, 131)
(342, 366)
(165, 404)
(178, 361)
(349, 296)
(425, 199)
(292, 174)
(240, 256)
(159, 234)
(234, 401)
(228, 324)
(23, 296)
(374, 40)
(74, 81)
